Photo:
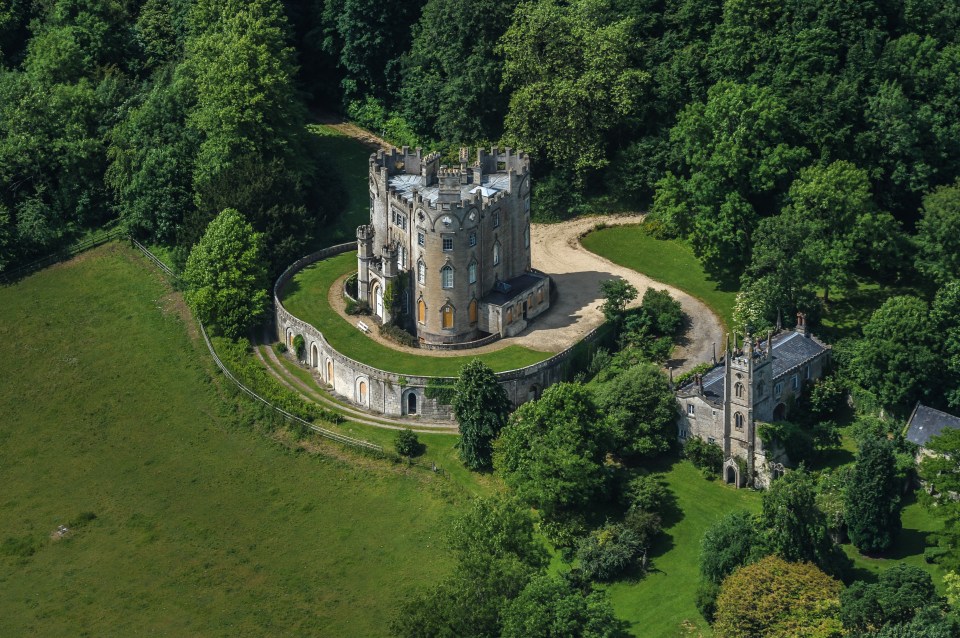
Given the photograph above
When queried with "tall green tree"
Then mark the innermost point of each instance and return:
(481, 407)
(571, 70)
(226, 275)
(552, 451)
(642, 410)
(896, 598)
(940, 472)
(551, 606)
(730, 543)
(872, 508)
(938, 243)
(945, 313)
(897, 359)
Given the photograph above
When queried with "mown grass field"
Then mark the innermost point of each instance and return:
(662, 603)
(668, 261)
(206, 524)
(306, 297)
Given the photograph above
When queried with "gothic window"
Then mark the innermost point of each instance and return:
(738, 421)
(739, 390)
(473, 311)
(806, 373)
(400, 219)
(691, 409)
(526, 237)
(405, 300)
(421, 272)
(421, 239)
(778, 390)
(401, 257)
(473, 239)
(447, 243)
(496, 253)
(446, 314)
(473, 272)
(446, 277)
(496, 219)
(421, 311)
(795, 382)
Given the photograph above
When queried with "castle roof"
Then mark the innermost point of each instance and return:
(789, 351)
(404, 185)
(504, 291)
(926, 423)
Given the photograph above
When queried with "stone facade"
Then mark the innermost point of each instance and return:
(450, 247)
(394, 394)
(751, 386)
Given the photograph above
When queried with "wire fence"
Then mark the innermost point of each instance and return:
(324, 432)
(20, 272)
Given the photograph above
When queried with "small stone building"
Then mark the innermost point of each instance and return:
(450, 247)
(751, 386)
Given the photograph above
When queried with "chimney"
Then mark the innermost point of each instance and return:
(802, 324)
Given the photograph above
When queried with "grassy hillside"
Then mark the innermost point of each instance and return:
(205, 523)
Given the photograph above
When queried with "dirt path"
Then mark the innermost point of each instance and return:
(577, 274)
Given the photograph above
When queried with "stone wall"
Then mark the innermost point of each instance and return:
(385, 392)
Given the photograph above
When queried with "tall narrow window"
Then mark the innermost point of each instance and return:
(496, 253)
(421, 272)
(421, 239)
(739, 390)
(446, 277)
(496, 219)
(473, 311)
(473, 239)
(473, 272)
(447, 316)
(402, 257)
(421, 311)
(526, 237)
(738, 421)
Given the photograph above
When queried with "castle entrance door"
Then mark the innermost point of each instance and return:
(378, 295)
(412, 403)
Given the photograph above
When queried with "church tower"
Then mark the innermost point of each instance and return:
(746, 379)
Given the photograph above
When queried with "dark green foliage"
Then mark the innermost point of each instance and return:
(617, 295)
(661, 312)
(392, 332)
(226, 277)
(641, 408)
(796, 440)
(299, 346)
(553, 607)
(940, 472)
(872, 508)
(706, 599)
(930, 622)
(481, 407)
(946, 317)
(901, 592)
(897, 358)
(552, 451)
(708, 457)
(609, 551)
(794, 528)
(407, 444)
(648, 492)
(730, 543)
(442, 390)
(938, 256)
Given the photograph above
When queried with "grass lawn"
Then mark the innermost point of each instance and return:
(668, 261)
(849, 310)
(306, 297)
(350, 158)
(662, 603)
(206, 523)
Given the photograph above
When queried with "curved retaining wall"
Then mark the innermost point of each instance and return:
(389, 392)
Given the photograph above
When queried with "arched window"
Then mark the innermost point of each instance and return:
(421, 272)
(526, 237)
(473, 272)
(421, 311)
(739, 390)
(446, 276)
(738, 421)
(473, 311)
(362, 393)
(329, 372)
(510, 314)
(446, 314)
(496, 253)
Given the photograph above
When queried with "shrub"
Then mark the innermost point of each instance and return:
(398, 335)
(407, 444)
(705, 456)
(280, 347)
(609, 551)
(648, 492)
(299, 346)
(706, 599)
(663, 313)
(357, 307)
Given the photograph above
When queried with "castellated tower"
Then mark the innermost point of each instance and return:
(747, 381)
(450, 246)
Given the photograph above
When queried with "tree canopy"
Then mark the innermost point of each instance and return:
(481, 407)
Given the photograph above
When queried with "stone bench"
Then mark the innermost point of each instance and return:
(364, 328)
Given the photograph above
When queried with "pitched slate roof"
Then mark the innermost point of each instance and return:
(512, 288)
(404, 184)
(790, 351)
(926, 423)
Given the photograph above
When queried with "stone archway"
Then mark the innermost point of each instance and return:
(330, 371)
(314, 356)
(731, 472)
(411, 402)
(378, 300)
(780, 412)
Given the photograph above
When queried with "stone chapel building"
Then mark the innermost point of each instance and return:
(450, 246)
(752, 385)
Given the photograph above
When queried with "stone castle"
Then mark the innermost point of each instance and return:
(449, 247)
(753, 385)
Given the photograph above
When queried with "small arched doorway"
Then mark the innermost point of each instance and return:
(780, 412)
(731, 476)
(378, 299)
(412, 403)
(533, 393)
